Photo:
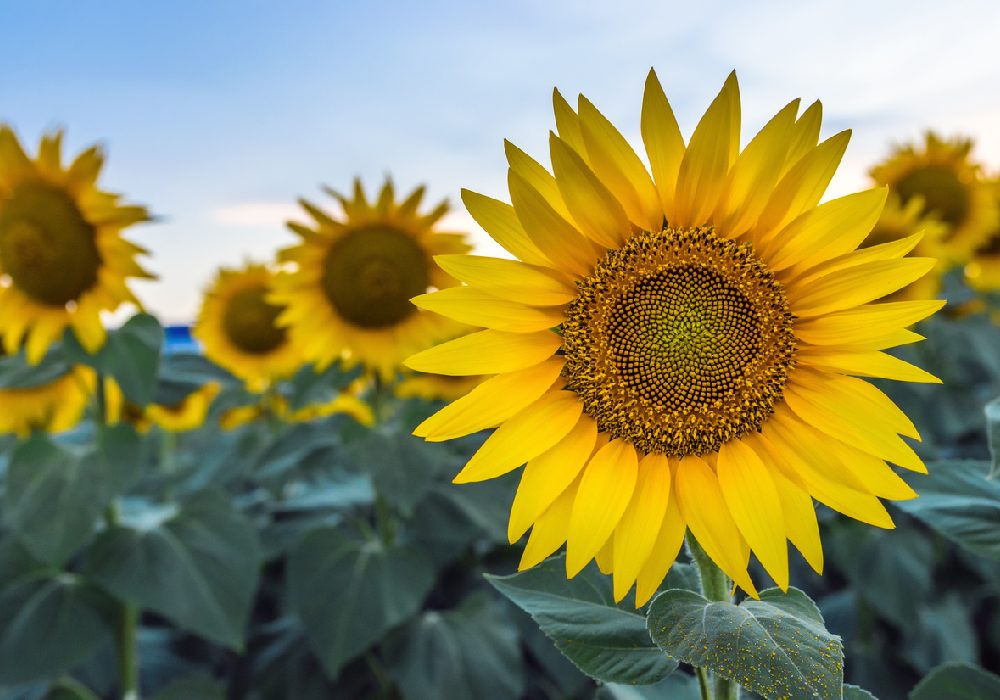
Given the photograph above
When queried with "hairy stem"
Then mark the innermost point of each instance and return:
(716, 587)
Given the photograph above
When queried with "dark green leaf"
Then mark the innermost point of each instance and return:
(606, 641)
(959, 501)
(196, 687)
(131, 355)
(197, 567)
(348, 592)
(469, 652)
(70, 689)
(943, 633)
(16, 373)
(294, 446)
(676, 686)
(958, 682)
(776, 646)
(49, 625)
(53, 499)
(309, 387)
(402, 467)
(853, 692)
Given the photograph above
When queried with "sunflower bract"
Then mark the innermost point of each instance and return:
(708, 322)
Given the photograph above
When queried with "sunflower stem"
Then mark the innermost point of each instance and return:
(717, 588)
(125, 634)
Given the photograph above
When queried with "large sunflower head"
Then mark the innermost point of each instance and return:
(942, 175)
(900, 221)
(681, 349)
(351, 277)
(54, 405)
(63, 259)
(238, 327)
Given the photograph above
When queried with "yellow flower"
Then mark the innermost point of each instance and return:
(900, 221)
(681, 350)
(178, 417)
(346, 403)
(983, 272)
(237, 326)
(54, 406)
(351, 278)
(63, 259)
(942, 175)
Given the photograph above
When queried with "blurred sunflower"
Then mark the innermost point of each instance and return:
(983, 272)
(682, 350)
(943, 175)
(351, 279)
(347, 403)
(54, 406)
(900, 221)
(433, 387)
(63, 259)
(238, 328)
(178, 415)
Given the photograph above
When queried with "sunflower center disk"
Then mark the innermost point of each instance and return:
(251, 322)
(46, 246)
(943, 192)
(679, 341)
(372, 273)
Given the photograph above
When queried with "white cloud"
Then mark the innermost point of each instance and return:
(256, 214)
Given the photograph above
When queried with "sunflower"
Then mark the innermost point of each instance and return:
(63, 259)
(900, 221)
(346, 403)
(54, 406)
(682, 350)
(943, 175)
(350, 281)
(176, 416)
(237, 326)
(983, 272)
(433, 387)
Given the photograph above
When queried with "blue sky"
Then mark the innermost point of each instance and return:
(219, 114)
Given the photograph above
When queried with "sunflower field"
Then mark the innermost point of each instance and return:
(379, 465)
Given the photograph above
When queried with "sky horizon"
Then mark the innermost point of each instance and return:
(219, 116)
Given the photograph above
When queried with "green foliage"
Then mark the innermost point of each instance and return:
(606, 641)
(131, 355)
(958, 682)
(777, 646)
(374, 585)
(992, 412)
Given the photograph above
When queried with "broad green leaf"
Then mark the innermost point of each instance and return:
(958, 682)
(53, 499)
(348, 591)
(293, 447)
(942, 632)
(308, 386)
(67, 688)
(198, 566)
(131, 355)
(853, 692)
(16, 373)
(469, 652)
(195, 687)
(993, 435)
(776, 646)
(606, 641)
(676, 686)
(958, 500)
(50, 624)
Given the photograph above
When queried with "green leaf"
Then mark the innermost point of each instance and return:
(469, 652)
(52, 500)
(16, 373)
(131, 355)
(776, 646)
(195, 687)
(676, 686)
(606, 641)
(70, 689)
(309, 387)
(992, 411)
(198, 566)
(50, 624)
(402, 467)
(957, 682)
(293, 447)
(853, 692)
(960, 502)
(348, 592)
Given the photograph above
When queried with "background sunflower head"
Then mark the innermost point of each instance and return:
(950, 183)
(237, 326)
(63, 260)
(178, 414)
(349, 280)
(54, 406)
(983, 271)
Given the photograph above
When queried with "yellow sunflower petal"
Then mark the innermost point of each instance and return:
(605, 490)
(707, 515)
(568, 124)
(640, 524)
(508, 279)
(859, 285)
(528, 434)
(869, 363)
(535, 174)
(863, 325)
(491, 403)
(664, 553)
(805, 135)
(663, 141)
(500, 221)
(801, 525)
(549, 474)
(477, 308)
(550, 530)
(486, 352)
(755, 505)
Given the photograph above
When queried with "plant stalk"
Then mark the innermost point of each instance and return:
(128, 657)
(716, 587)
